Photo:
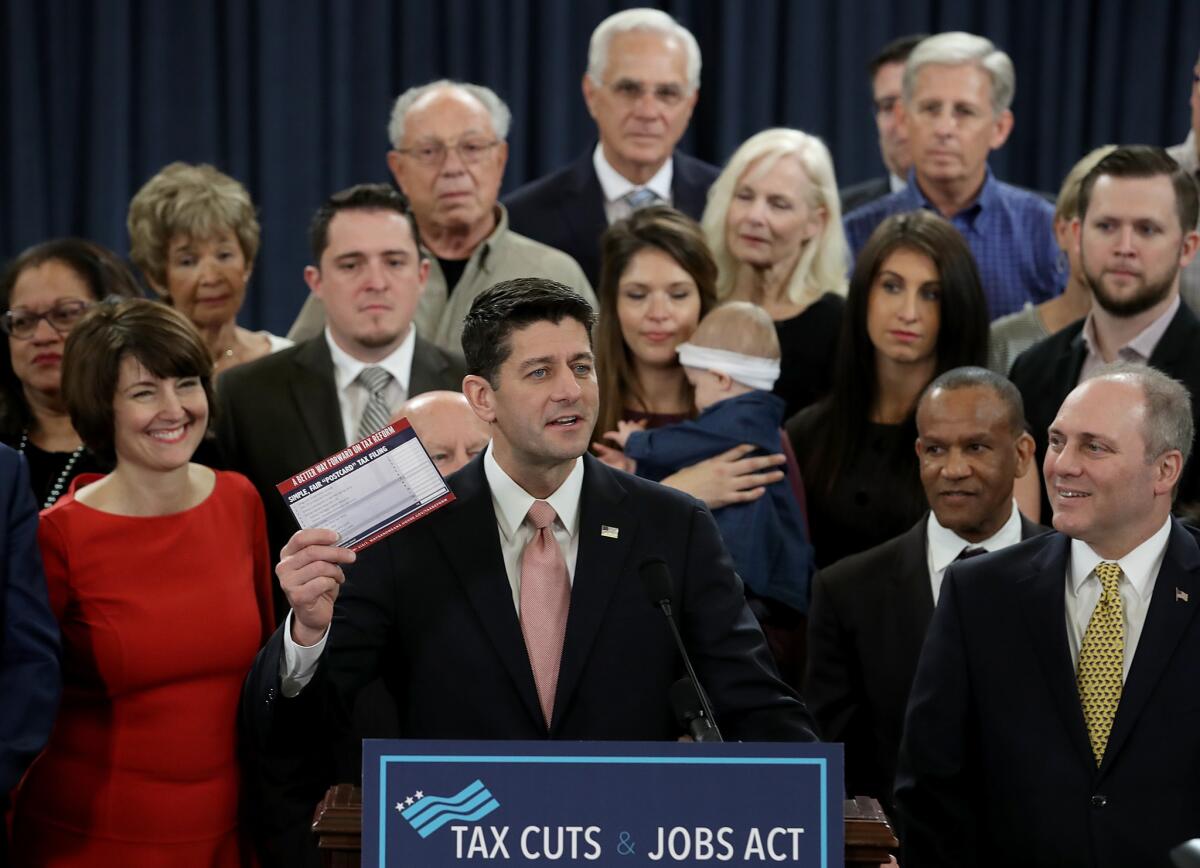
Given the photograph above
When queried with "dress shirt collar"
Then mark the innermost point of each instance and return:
(986, 202)
(1143, 344)
(945, 545)
(1140, 566)
(616, 186)
(512, 502)
(398, 363)
(896, 183)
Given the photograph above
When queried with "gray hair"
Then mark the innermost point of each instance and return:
(972, 377)
(651, 20)
(496, 108)
(957, 48)
(1168, 422)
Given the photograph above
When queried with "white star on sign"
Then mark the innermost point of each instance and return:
(408, 801)
(399, 807)
(420, 794)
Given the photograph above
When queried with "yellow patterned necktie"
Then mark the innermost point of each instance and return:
(1102, 660)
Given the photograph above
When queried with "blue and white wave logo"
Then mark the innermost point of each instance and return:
(430, 813)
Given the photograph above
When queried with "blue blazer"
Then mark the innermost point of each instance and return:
(30, 677)
(765, 537)
(565, 209)
(995, 766)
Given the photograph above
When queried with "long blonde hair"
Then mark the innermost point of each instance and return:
(823, 263)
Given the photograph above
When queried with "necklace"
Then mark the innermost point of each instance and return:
(57, 489)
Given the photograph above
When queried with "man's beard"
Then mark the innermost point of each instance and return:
(1146, 297)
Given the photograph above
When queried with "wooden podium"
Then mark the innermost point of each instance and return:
(338, 826)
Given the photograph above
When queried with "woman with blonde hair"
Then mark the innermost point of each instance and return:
(774, 225)
(194, 235)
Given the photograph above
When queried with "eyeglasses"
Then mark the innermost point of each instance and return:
(21, 324)
(630, 91)
(432, 153)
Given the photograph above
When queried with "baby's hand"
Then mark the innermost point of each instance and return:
(624, 429)
(615, 458)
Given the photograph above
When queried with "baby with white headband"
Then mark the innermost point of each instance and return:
(732, 362)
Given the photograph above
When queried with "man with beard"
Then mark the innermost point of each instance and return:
(1135, 231)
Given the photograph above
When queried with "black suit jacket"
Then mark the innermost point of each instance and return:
(279, 414)
(857, 195)
(435, 618)
(866, 625)
(1048, 371)
(565, 209)
(995, 765)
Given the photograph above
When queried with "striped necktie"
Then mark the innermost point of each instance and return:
(377, 412)
(637, 199)
(1102, 660)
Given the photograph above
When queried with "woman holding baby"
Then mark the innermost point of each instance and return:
(656, 282)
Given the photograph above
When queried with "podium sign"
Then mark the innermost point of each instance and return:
(435, 803)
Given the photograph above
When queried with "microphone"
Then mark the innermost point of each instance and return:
(657, 578)
(689, 711)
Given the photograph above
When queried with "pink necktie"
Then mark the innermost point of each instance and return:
(545, 598)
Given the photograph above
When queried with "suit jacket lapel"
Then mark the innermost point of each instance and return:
(1166, 620)
(1178, 340)
(689, 194)
(1043, 598)
(598, 566)
(428, 368)
(583, 211)
(911, 589)
(470, 541)
(315, 393)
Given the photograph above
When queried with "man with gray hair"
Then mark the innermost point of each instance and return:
(641, 84)
(448, 156)
(957, 92)
(1048, 724)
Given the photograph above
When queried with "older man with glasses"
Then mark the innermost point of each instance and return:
(448, 156)
(641, 84)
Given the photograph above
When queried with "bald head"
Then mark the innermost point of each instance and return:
(449, 429)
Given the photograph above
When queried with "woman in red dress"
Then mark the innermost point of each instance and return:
(159, 576)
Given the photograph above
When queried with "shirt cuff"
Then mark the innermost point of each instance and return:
(299, 662)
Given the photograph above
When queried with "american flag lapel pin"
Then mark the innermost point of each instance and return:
(609, 532)
(1181, 596)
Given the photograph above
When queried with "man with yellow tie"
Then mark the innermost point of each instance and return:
(1055, 716)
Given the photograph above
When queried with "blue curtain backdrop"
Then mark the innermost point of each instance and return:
(292, 96)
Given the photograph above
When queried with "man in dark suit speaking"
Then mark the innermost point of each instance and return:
(870, 611)
(517, 611)
(1053, 718)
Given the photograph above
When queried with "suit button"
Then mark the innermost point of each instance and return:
(270, 695)
(1099, 801)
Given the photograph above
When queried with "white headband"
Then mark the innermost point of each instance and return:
(753, 371)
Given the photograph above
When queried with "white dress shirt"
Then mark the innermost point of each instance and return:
(353, 395)
(942, 546)
(1139, 571)
(511, 504)
(896, 183)
(616, 186)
